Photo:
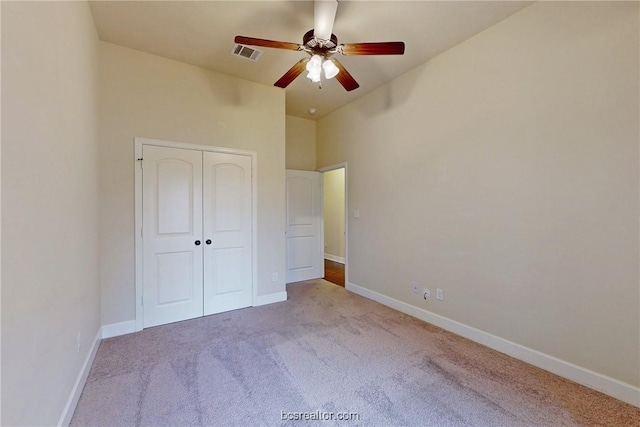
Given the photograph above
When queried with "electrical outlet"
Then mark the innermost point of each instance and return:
(274, 277)
(414, 286)
(440, 294)
(427, 293)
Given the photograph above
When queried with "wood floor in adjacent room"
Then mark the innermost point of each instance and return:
(328, 350)
(334, 272)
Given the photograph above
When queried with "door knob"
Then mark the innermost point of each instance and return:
(208, 242)
(197, 242)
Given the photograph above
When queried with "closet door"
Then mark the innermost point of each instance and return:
(172, 235)
(227, 232)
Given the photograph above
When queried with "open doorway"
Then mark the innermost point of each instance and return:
(334, 223)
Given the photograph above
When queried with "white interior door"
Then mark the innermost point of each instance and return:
(172, 235)
(305, 258)
(227, 232)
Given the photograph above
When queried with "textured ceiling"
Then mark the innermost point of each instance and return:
(202, 32)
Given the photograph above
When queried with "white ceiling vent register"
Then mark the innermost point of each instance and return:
(247, 52)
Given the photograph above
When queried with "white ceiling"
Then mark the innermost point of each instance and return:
(202, 32)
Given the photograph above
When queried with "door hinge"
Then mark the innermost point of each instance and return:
(141, 162)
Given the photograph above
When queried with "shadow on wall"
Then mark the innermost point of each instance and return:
(390, 95)
(229, 94)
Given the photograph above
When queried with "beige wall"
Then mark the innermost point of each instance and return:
(301, 144)
(505, 171)
(147, 96)
(330, 145)
(50, 278)
(333, 191)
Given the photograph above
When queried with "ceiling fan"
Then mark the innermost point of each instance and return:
(321, 44)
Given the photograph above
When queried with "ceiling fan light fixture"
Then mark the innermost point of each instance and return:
(330, 69)
(314, 64)
(314, 77)
(314, 67)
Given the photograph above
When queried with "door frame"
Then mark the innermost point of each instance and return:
(346, 214)
(138, 143)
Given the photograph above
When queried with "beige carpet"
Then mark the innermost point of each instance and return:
(325, 353)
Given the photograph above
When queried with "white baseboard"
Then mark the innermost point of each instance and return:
(117, 329)
(335, 258)
(78, 386)
(270, 298)
(128, 327)
(607, 385)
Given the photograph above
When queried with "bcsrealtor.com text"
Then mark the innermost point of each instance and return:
(319, 416)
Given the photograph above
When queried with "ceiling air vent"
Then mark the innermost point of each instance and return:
(246, 52)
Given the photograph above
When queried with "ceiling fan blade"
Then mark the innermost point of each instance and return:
(266, 43)
(382, 48)
(346, 80)
(324, 14)
(293, 72)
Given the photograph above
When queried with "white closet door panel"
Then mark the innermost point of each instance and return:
(175, 269)
(172, 223)
(227, 270)
(228, 282)
(175, 205)
(300, 253)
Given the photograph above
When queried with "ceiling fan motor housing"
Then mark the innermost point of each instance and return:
(319, 46)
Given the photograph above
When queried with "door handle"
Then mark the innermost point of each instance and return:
(197, 242)
(208, 242)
